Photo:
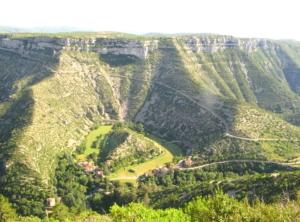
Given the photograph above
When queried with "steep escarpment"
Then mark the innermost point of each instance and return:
(54, 92)
(171, 112)
(189, 90)
(247, 70)
(47, 46)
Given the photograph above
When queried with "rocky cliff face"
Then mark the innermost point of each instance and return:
(140, 49)
(221, 43)
(51, 46)
(184, 89)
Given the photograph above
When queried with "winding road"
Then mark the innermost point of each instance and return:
(241, 161)
(259, 139)
(220, 162)
(125, 178)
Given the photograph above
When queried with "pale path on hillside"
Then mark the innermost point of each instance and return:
(125, 178)
(216, 163)
(259, 139)
(241, 161)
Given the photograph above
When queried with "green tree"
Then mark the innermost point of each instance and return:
(7, 213)
(91, 217)
(219, 207)
(139, 213)
(61, 213)
(71, 183)
(27, 194)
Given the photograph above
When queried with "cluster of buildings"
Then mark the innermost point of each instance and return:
(90, 167)
(188, 162)
(161, 171)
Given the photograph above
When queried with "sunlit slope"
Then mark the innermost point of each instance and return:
(258, 76)
(190, 90)
(255, 134)
(200, 94)
(76, 93)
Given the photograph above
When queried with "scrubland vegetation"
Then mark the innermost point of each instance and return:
(103, 131)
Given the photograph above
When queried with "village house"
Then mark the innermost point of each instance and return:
(90, 167)
(188, 162)
(87, 166)
(98, 172)
(51, 202)
(161, 171)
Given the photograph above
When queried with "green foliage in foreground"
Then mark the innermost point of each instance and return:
(27, 194)
(7, 213)
(62, 213)
(139, 213)
(219, 208)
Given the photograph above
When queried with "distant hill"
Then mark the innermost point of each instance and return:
(5, 29)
